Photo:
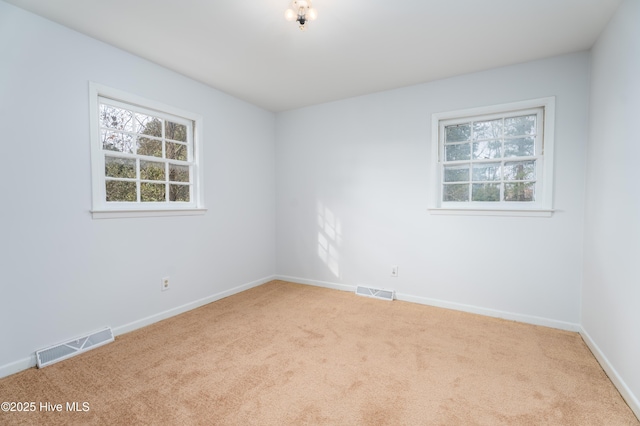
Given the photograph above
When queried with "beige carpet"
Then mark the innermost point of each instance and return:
(288, 354)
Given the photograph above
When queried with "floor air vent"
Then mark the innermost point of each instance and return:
(375, 292)
(66, 350)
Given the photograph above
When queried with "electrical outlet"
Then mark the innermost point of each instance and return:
(165, 283)
(394, 270)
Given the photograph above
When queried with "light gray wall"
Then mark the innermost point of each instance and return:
(360, 169)
(63, 273)
(611, 293)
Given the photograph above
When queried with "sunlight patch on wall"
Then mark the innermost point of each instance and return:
(329, 239)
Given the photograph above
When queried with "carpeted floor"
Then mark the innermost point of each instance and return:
(289, 354)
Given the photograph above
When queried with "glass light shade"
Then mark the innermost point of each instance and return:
(312, 14)
(290, 15)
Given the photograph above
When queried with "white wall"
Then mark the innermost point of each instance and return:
(611, 293)
(63, 273)
(359, 169)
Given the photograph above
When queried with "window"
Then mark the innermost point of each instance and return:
(494, 160)
(145, 157)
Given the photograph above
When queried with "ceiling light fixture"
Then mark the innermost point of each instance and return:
(301, 11)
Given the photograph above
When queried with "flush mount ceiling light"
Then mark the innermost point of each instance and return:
(301, 11)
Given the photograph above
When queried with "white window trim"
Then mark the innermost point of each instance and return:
(103, 210)
(542, 208)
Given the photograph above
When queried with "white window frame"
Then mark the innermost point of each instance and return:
(541, 207)
(102, 209)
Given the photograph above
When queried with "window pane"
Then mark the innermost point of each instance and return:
(152, 191)
(120, 190)
(120, 167)
(151, 147)
(179, 193)
(458, 133)
(178, 173)
(486, 171)
(456, 173)
(486, 150)
(520, 170)
(177, 132)
(516, 126)
(116, 141)
(148, 125)
(176, 151)
(521, 191)
(458, 152)
(522, 147)
(455, 192)
(491, 129)
(151, 170)
(485, 192)
(116, 118)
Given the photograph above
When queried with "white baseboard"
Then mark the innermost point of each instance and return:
(187, 307)
(627, 394)
(18, 366)
(325, 284)
(528, 319)
(30, 361)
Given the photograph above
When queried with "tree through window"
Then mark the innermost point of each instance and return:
(147, 158)
(495, 158)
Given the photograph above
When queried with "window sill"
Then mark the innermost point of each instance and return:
(114, 214)
(492, 212)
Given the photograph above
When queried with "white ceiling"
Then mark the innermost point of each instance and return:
(247, 49)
